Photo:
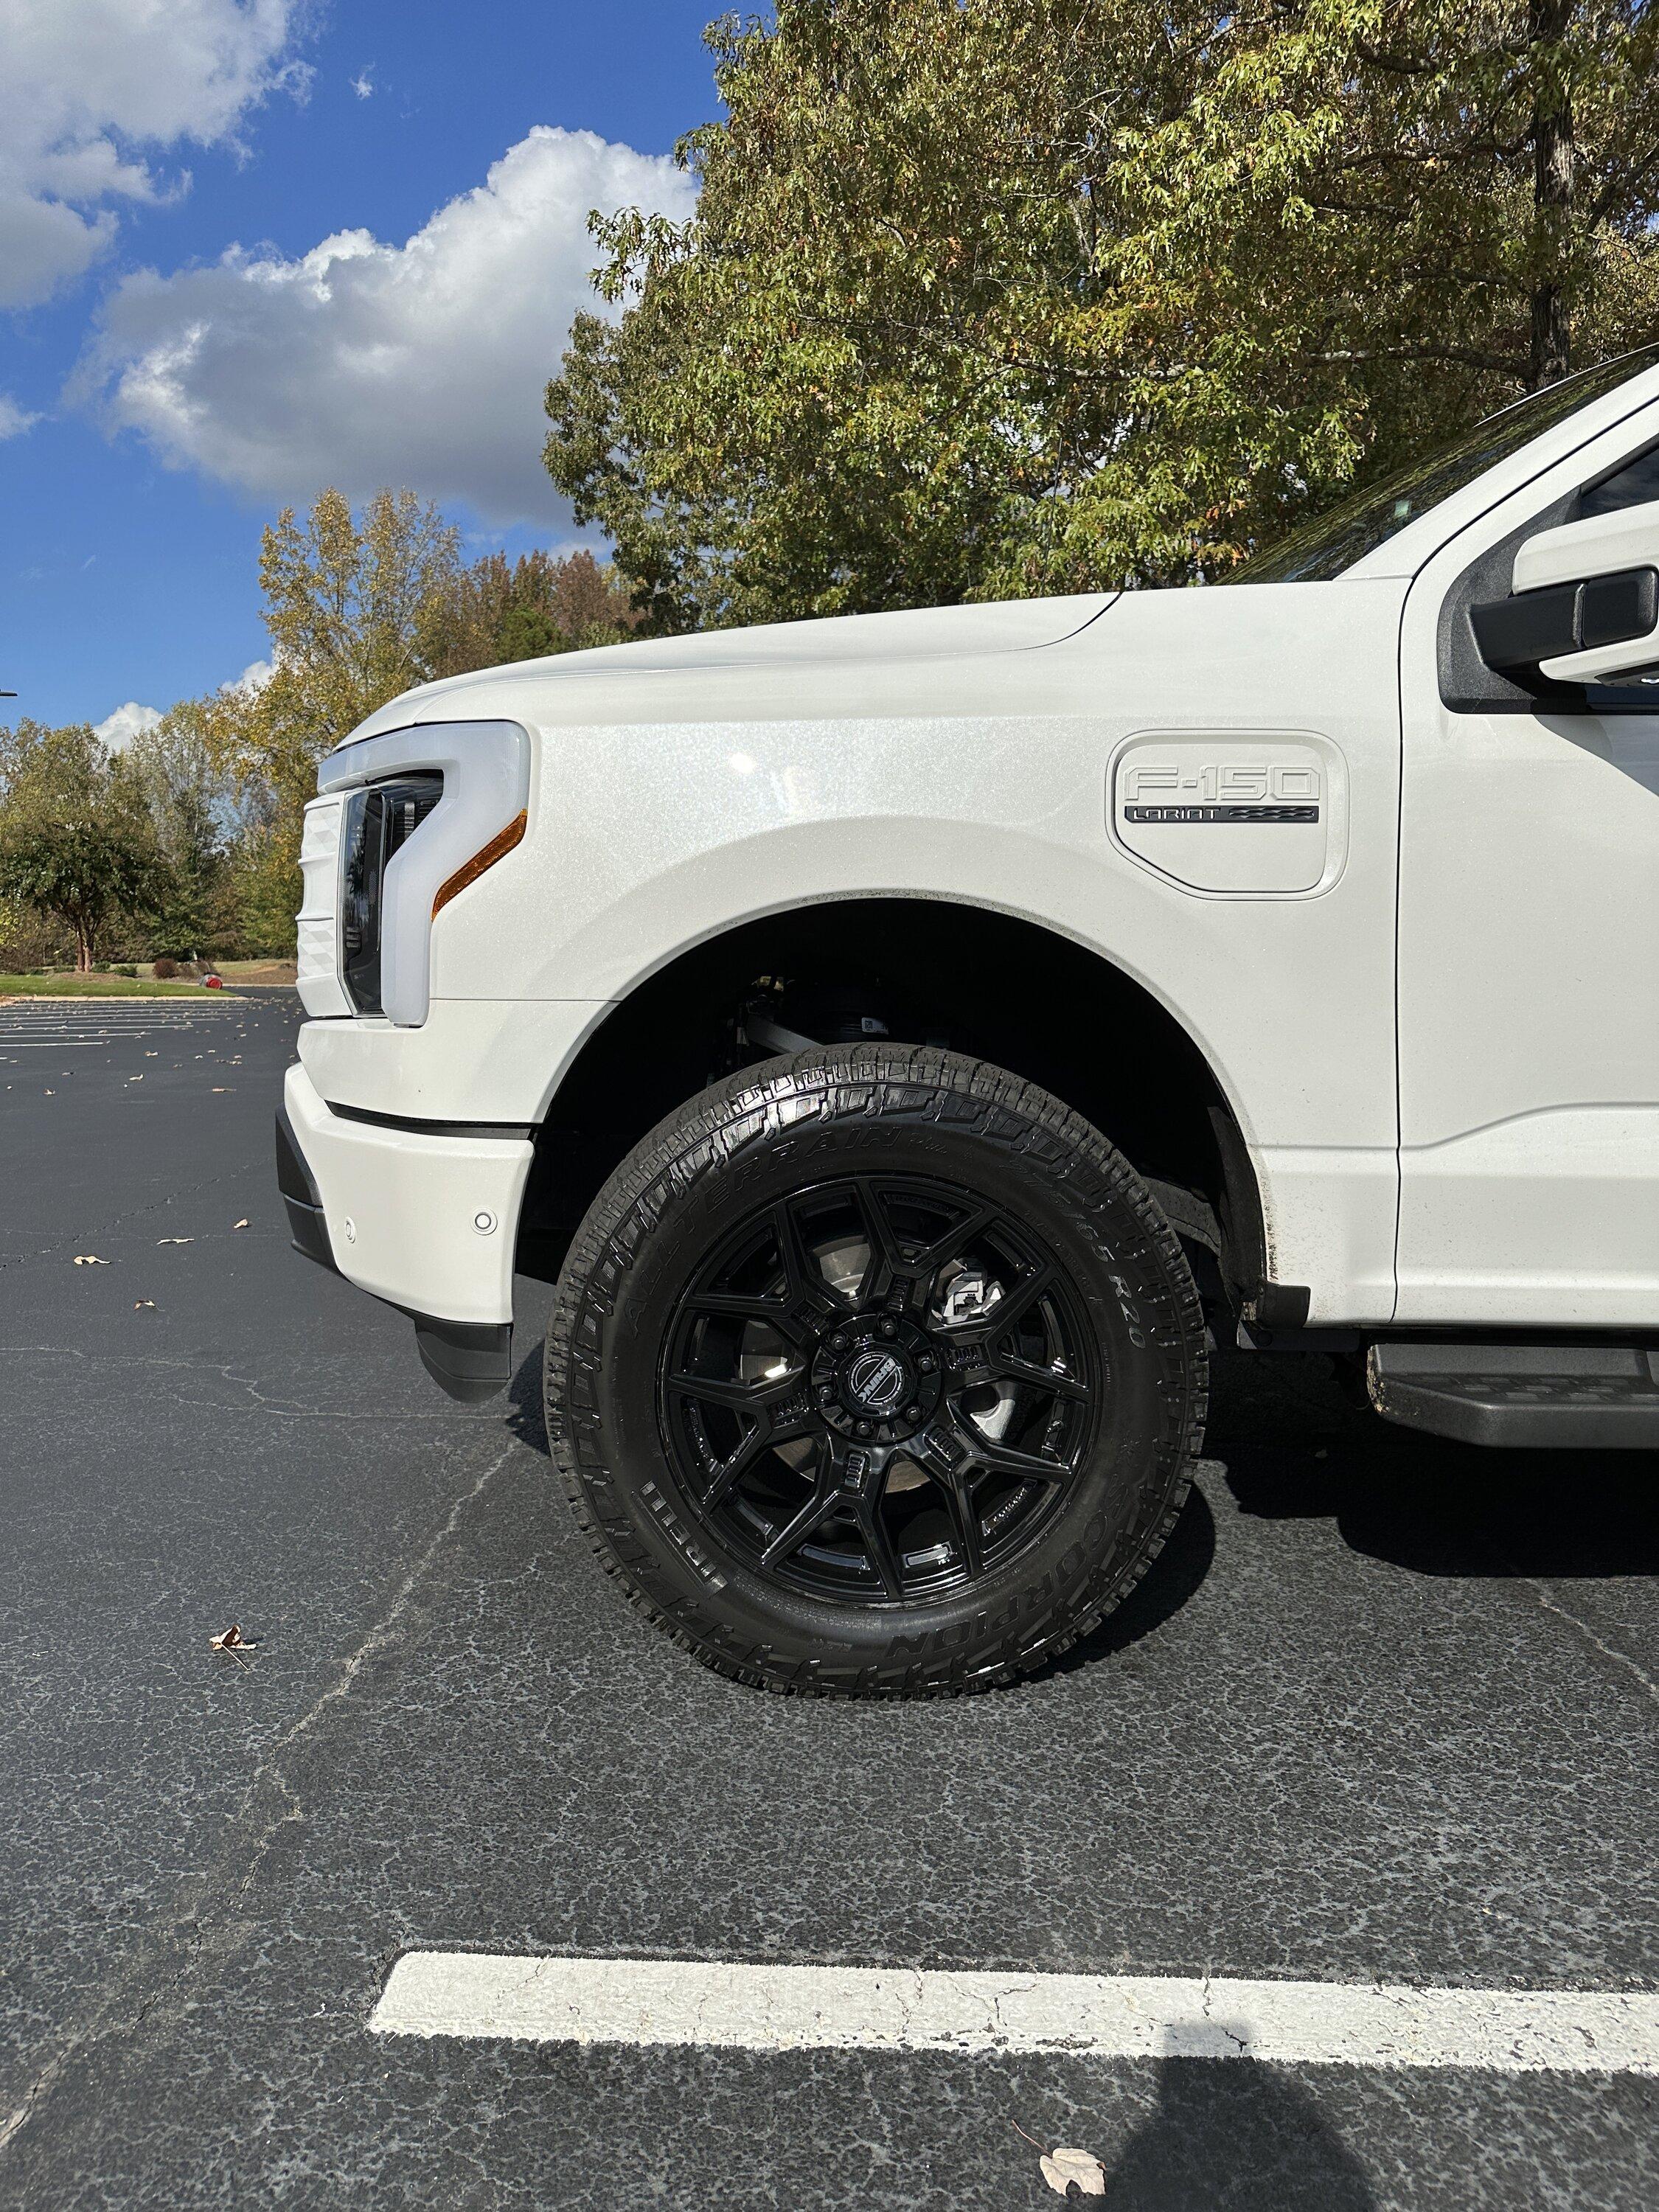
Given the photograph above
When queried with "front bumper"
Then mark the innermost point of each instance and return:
(422, 1219)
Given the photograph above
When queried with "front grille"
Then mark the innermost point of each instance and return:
(379, 822)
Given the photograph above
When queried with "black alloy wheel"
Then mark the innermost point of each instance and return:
(878, 1371)
(879, 1387)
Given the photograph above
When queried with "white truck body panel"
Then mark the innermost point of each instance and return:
(1050, 760)
(1528, 982)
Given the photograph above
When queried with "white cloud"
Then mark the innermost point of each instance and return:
(119, 730)
(252, 680)
(363, 84)
(13, 419)
(88, 86)
(362, 364)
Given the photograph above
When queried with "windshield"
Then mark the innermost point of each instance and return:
(1333, 541)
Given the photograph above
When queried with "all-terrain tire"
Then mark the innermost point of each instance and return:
(756, 1140)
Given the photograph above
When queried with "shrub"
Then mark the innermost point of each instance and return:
(124, 967)
(164, 969)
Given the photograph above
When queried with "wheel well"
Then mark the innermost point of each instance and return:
(925, 971)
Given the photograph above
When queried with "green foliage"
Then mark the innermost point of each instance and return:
(76, 840)
(991, 297)
(497, 610)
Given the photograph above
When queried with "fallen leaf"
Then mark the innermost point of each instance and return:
(219, 1088)
(89, 1259)
(1064, 2170)
(139, 1304)
(175, 1240)
(51, 1094)
(233, 1641)
(135, 1078)
(242, 1223)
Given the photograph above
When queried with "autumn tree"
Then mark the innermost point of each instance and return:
(76, 842)
(348, 606)
(497, 611)
(990, 297)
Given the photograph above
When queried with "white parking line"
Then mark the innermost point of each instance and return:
(756, 2008)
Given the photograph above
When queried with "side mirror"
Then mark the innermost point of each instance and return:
(1585, 606)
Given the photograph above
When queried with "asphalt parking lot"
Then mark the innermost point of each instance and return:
(1385, 1711)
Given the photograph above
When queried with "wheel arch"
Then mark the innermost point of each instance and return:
(1002, 986)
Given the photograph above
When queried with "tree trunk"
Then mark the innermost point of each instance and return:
(82, 948)
(1553, 175)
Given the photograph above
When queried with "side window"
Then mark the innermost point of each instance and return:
(1631, 485)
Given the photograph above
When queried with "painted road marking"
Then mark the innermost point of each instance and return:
(37, 1027)
(757, 2007)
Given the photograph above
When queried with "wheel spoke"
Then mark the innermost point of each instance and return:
(1012, 1370)
(759, 1439)
(1003, 1459)
(957, 1488)
(878, 1544)
(807, 1297)
(886, 1265)
(826, 1495)
(728, 1390)
(951, 1245)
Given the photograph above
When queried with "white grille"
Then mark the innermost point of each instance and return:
(320, 990)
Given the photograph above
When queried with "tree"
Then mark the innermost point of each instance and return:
(350, 604)
(76, 840)
(496, 610)
(186, 798)
(988, 297)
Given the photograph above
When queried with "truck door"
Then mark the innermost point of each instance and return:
(1528, 933)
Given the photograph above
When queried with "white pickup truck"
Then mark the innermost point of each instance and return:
(912, 1042)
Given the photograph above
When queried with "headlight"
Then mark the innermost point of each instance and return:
(379, 822)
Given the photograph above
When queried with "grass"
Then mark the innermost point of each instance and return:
(95, 986)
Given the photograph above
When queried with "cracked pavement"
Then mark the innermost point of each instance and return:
(1386, 1709)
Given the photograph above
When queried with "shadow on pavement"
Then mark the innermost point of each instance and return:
(1298, 1446)
(1230, 2136)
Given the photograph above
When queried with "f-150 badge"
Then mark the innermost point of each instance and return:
(1169, 785)
(1221, 792)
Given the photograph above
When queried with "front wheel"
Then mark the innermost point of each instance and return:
(876, 1370)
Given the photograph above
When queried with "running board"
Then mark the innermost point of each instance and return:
(1571, 1396)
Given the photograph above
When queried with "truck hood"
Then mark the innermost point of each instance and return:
(921, 634)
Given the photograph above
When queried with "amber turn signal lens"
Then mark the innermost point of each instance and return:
(502, 842)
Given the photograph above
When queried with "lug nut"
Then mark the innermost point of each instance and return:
(838, 1341)
(926, 1363)
(913, 1412)
(867, 1428)
(890, 1329)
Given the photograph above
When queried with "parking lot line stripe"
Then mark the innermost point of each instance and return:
(761, 2008)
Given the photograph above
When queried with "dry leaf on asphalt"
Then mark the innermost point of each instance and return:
(1064, 2170)
(174, 1240)
(89, 1259)
(233, 1641)
(138, 1302)
(242, 1223)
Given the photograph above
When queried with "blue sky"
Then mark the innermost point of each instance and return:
(178, 358)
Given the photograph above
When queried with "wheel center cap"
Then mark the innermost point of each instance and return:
(877, 1378)
(877, 1381)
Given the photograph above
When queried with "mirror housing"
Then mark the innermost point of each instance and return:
(1584, 602)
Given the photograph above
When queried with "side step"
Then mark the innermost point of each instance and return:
(1601, 1397)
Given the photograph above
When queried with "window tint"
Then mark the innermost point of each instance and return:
(1631, 485)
